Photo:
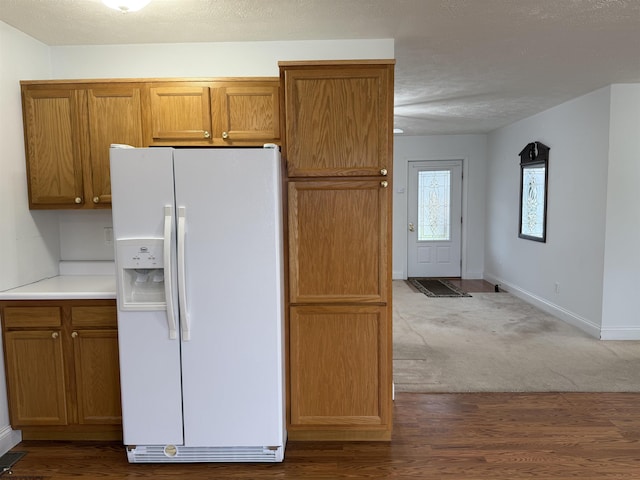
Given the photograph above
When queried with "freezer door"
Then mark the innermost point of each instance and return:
(230, 200)
(150, 374)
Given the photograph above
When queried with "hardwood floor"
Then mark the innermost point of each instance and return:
(472, 286)
(436, 436)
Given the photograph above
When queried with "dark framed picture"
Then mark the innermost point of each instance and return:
(534, 179)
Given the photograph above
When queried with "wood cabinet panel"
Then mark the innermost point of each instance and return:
(180, 114)
(53, 146)
(338, 241)
(339, 366)
(247, 112)
(16, 317)
(35, 378)
(94, 316)
(338, 121)
(97, 376)
(114, 117)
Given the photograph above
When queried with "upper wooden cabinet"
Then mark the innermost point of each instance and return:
(68, 131)
(52, 119)
(179, 114)
(69, 126)
(221, 113)
(248, 112)
(337, 119)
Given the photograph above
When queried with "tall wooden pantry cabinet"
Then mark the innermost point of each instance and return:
(337, 147)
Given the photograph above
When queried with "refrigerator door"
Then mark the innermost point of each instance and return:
(150, 374)
(230, 202)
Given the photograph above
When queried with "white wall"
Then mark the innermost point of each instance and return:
(224, 59)
(82, 235)
(472, 150)
(620, 317)
(28, 240)
(573, 256)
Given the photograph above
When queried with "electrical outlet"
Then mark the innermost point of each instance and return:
(108, 235)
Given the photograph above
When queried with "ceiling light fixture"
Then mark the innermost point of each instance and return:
(126, 6)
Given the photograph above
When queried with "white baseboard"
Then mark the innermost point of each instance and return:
(401, 275)
(472, 275)
(620, 333)
(398, 275)
(9, 438)
(557, 311)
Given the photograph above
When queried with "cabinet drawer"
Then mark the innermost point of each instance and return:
(96, 316)
(20, 317)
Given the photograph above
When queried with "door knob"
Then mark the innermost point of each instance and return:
(412, 227)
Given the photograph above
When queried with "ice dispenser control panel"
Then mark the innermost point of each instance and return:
(141, 273)
(135, 254)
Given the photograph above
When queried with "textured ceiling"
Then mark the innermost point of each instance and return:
(463, 66)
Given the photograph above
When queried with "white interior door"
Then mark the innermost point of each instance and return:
(434, 219)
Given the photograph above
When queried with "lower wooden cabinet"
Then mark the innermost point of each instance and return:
(340, 373)
(62, 371)
(35, 376)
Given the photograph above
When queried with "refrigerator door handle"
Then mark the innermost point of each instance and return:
(182, 288)
(168, 290)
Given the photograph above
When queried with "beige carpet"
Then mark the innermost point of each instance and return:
(495, 342)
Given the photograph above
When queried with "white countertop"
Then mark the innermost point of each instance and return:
(65, 287)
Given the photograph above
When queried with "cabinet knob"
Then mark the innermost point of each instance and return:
(225, 135)
(383, 172)
(207, 134)
(78, 200)
(74, 335)
(96, 199)
(384, 184)
(54, 335)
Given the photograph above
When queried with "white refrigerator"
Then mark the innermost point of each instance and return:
(198, 239)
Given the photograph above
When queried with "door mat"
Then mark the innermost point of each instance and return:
(436, 287)
(8, 460)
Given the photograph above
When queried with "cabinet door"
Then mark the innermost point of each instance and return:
(248, 114)
(180, 115)
(97, 376)
(338, 121)
(114, 117)
(35, 378)
(339, 238)
(340, 367)
(53, 146)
